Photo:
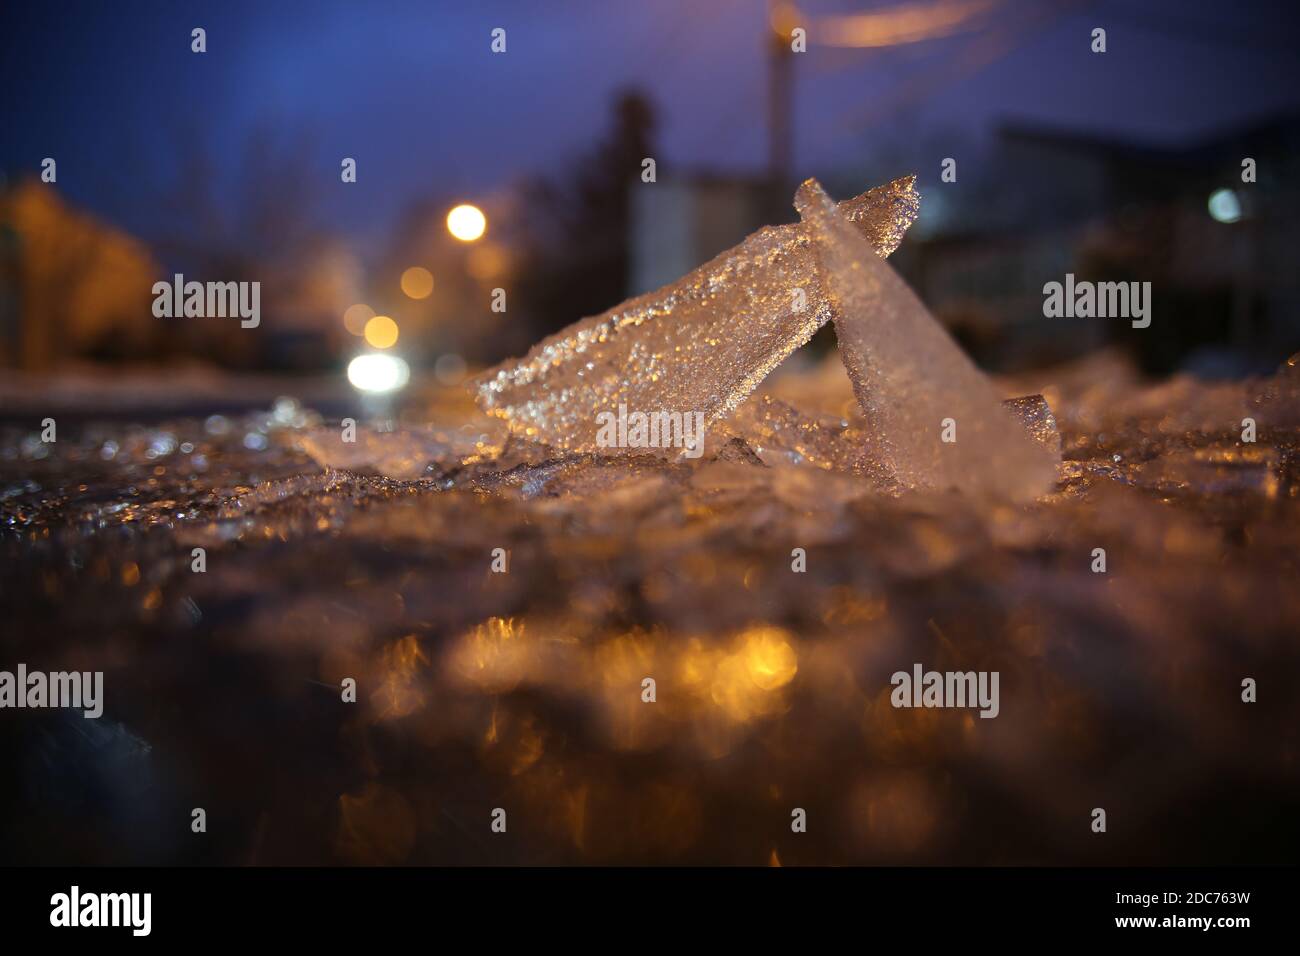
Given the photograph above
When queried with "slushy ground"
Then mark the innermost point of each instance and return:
(522, 690)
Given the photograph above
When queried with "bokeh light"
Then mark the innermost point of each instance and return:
(378, 373)
(381, 332)
(466, 222)
(417, 282)
(769, 658)
(356, 316)
(1224, 206)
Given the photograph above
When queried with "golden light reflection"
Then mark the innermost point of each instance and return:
(401, 692)
(417, 282)
(623, 664)
(771, 661)
(381, 332)
(743, 681)
(466, 222)
(494, 655)
(695, 664)
(356, 316)
(626, 659)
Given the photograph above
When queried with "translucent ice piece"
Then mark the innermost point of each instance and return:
(699, 345)
(779, 432)
(1035, 415)
(914, 383)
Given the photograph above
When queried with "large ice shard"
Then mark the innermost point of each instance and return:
(935, 419)
(700, 345)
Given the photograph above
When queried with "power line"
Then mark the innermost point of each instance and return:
(980, 51)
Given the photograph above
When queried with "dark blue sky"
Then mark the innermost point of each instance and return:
(413, 92)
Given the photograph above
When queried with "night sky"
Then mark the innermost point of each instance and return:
(412, 90)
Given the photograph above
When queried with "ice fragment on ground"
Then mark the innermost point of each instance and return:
(911, 378)
(700, 344)
(780, 433)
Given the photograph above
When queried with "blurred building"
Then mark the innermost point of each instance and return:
(70, 285)
(305, 290)
(681, 222)
(1216, 249)
(1225, 298)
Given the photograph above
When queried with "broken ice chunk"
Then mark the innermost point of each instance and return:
(935, 418)
(699, 345)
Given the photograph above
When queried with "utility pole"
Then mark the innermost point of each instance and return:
(780, 81)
